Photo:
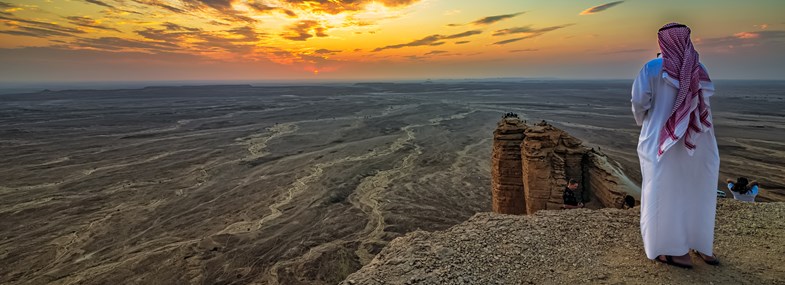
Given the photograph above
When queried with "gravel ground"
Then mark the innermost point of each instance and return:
(579, 246)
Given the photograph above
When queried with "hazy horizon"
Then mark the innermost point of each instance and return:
(26, 87)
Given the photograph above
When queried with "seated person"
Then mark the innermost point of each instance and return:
(742, 189)
(629, 202)
(570, 201)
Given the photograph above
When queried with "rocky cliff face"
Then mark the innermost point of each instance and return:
(605, 181)
(547, 158)
(550, 157)
(507, 186)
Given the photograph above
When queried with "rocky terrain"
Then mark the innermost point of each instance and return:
(294, 184)
(507, 169)
(531, 165)
(579, 247)
(228, 184)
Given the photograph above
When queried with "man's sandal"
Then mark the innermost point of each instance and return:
(710, 260)
(669, 260)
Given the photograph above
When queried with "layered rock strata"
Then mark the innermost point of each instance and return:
(605, 181)
(549, 157)
(508, 193)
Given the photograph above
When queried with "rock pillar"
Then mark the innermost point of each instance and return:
(532, 164)
(508, 192)
(550, 157)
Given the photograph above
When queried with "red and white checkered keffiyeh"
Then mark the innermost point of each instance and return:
(691, 114)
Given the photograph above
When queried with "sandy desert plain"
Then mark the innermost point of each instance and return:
(294, 184)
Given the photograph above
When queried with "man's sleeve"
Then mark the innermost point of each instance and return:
(641, 96)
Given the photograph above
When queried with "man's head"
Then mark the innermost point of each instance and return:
(674, 39)
(573, 184)
(742, 181)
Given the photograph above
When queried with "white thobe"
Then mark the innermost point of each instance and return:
(678, 193)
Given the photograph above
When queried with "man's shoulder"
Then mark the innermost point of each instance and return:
(653, 65)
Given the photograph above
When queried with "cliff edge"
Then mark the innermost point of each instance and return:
(578, 247)
(531, 164)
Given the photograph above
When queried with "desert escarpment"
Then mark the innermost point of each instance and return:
(549, 157)
(293, 184)
(605, 181)
(228, 185)
(579, 247)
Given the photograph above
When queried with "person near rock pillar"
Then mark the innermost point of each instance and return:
(570, 201)
(678, 152)
(629, 202)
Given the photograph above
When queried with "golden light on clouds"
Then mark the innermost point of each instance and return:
(600, 8)
(359, 37)
(747, 35)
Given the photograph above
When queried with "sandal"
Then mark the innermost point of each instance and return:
(669, 260)
(710, 260)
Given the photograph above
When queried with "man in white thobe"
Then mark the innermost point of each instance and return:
(677, 151)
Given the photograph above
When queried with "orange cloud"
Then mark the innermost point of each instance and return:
(432, 40)
(304, 30)
(747, 35)
(744, 40)
(336, 7)
(36, 28)
(489, 19)
(529, 30)
(493, 19)
(530, 33)
(88, 22)
(600, 8)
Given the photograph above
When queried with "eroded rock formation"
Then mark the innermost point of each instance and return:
(547, 158)
(508, 193)
(550, 157)
(605, 181)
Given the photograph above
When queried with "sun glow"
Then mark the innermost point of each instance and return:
(309, 37)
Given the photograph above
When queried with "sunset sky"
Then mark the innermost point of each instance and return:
(142, 40)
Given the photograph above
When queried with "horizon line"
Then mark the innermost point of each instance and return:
(59, 86)
(202, 82)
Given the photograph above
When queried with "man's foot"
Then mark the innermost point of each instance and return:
(683, 261)
(710, 260)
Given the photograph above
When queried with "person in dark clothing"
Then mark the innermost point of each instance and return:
(629, 202)
(570, 201)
